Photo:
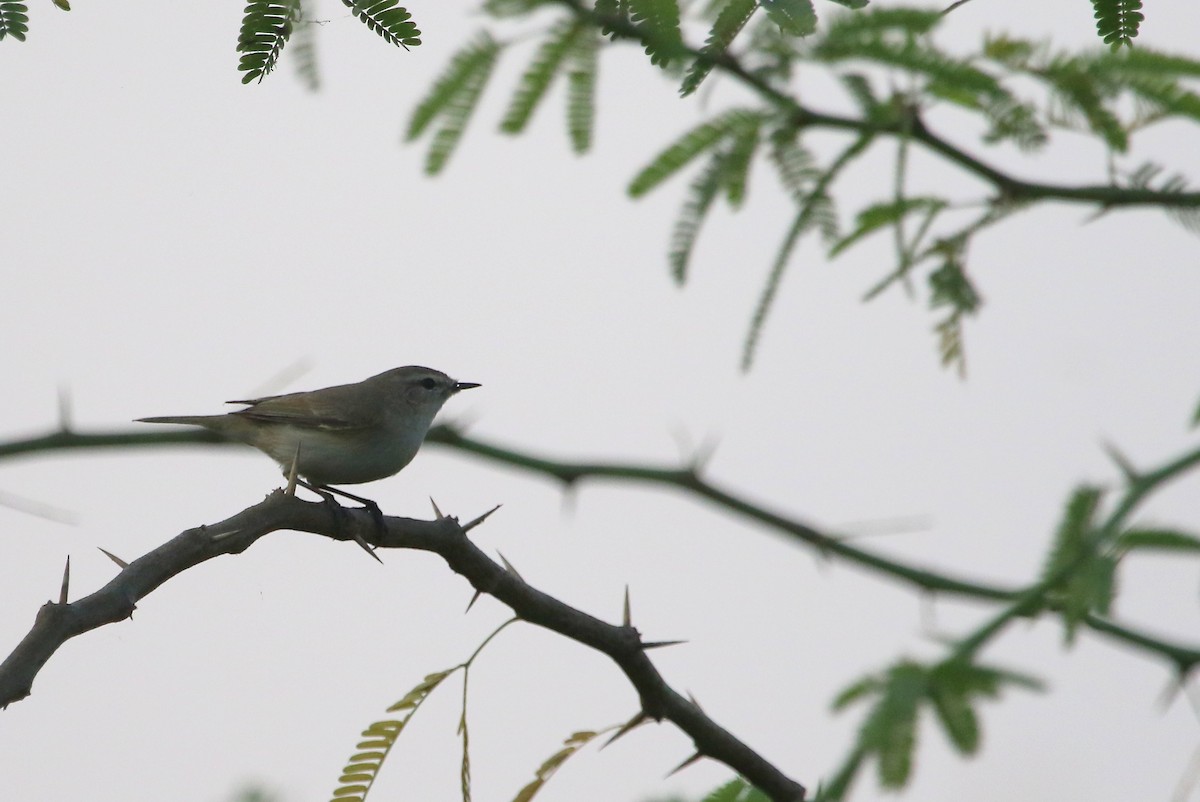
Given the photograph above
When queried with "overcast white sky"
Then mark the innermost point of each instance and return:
(173, 239)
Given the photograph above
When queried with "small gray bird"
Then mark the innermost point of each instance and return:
(343, 435)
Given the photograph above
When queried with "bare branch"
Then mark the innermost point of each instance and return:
(57, 622)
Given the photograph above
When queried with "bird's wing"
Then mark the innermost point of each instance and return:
(331, 408)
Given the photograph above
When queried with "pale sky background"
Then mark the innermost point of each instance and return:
(173, 239)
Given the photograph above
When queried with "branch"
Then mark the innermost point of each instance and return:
(912, 127)
(1183, 656)
(57, 622)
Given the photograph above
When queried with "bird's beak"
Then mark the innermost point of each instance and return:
(465, 386)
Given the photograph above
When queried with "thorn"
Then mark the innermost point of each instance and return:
(638, 720)
(436, 512)
(291, 486)
(509, 566)
(114, 557)
(472, 524)
(471, 603)
(365, 545)
(658, 644)
(626, 616)
(695, 701)
(64, 409)
(62, 594)
(685, 764)
(1122, 462)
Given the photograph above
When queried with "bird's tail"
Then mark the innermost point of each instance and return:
(192, 420)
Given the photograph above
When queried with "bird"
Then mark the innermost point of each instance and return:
(343, 435)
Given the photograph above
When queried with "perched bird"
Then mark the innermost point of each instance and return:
(343, 435)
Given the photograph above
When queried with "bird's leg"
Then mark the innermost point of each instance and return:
(326, 493)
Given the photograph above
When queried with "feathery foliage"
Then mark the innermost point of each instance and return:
(794, 17)
(266, 27)
(550, 765)
(581, 90)
(949, 689)
(304, 48)
(689, 146)
(1082, 573)
(391, 21)
(1117, 21)
(658, 25)
(14, 20)
(453, 98)
(378, 739)
(701, 193)
(736, 790)
(547, 63)
(729, 22)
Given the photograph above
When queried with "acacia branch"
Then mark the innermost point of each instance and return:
(910, 127)
(58, 622)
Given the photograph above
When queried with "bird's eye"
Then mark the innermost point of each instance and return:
(428, 383)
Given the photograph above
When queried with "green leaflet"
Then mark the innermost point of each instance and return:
(695, 208)
(736, 790)
(546, 64)
(378, 739)
(890, 729)
(550, 765)
(14, 20)
(391, 21)
(1117, 21)
(658, 23)
(453, 98)
(729, 22)
(1158, 539)
(878, 215)
(1083, 577)
(949, 689)
(304, 49)
(266, 27)
(794, 17)
(581, 91)
(688, 147)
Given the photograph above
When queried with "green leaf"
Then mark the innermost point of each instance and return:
(1084, 578)
(658, 23)
(957, 718)
(1074, 84)
(453, 99)
(729, 22)
(1117, 21)
(860, 689)
(949, 286)
(304, 48)
(502, 9)
(695, 208)
(581, 91)
(1077, 523)
(541, 71)
(266, 27)
(879, 215)
(740, 154)
(700, 139)
(391, 21)
(794, 17)
(853, 4)
(614, 9)
(361, 769)
(1158, 539)
(552, 764)
(890, 729)
(14, 20)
